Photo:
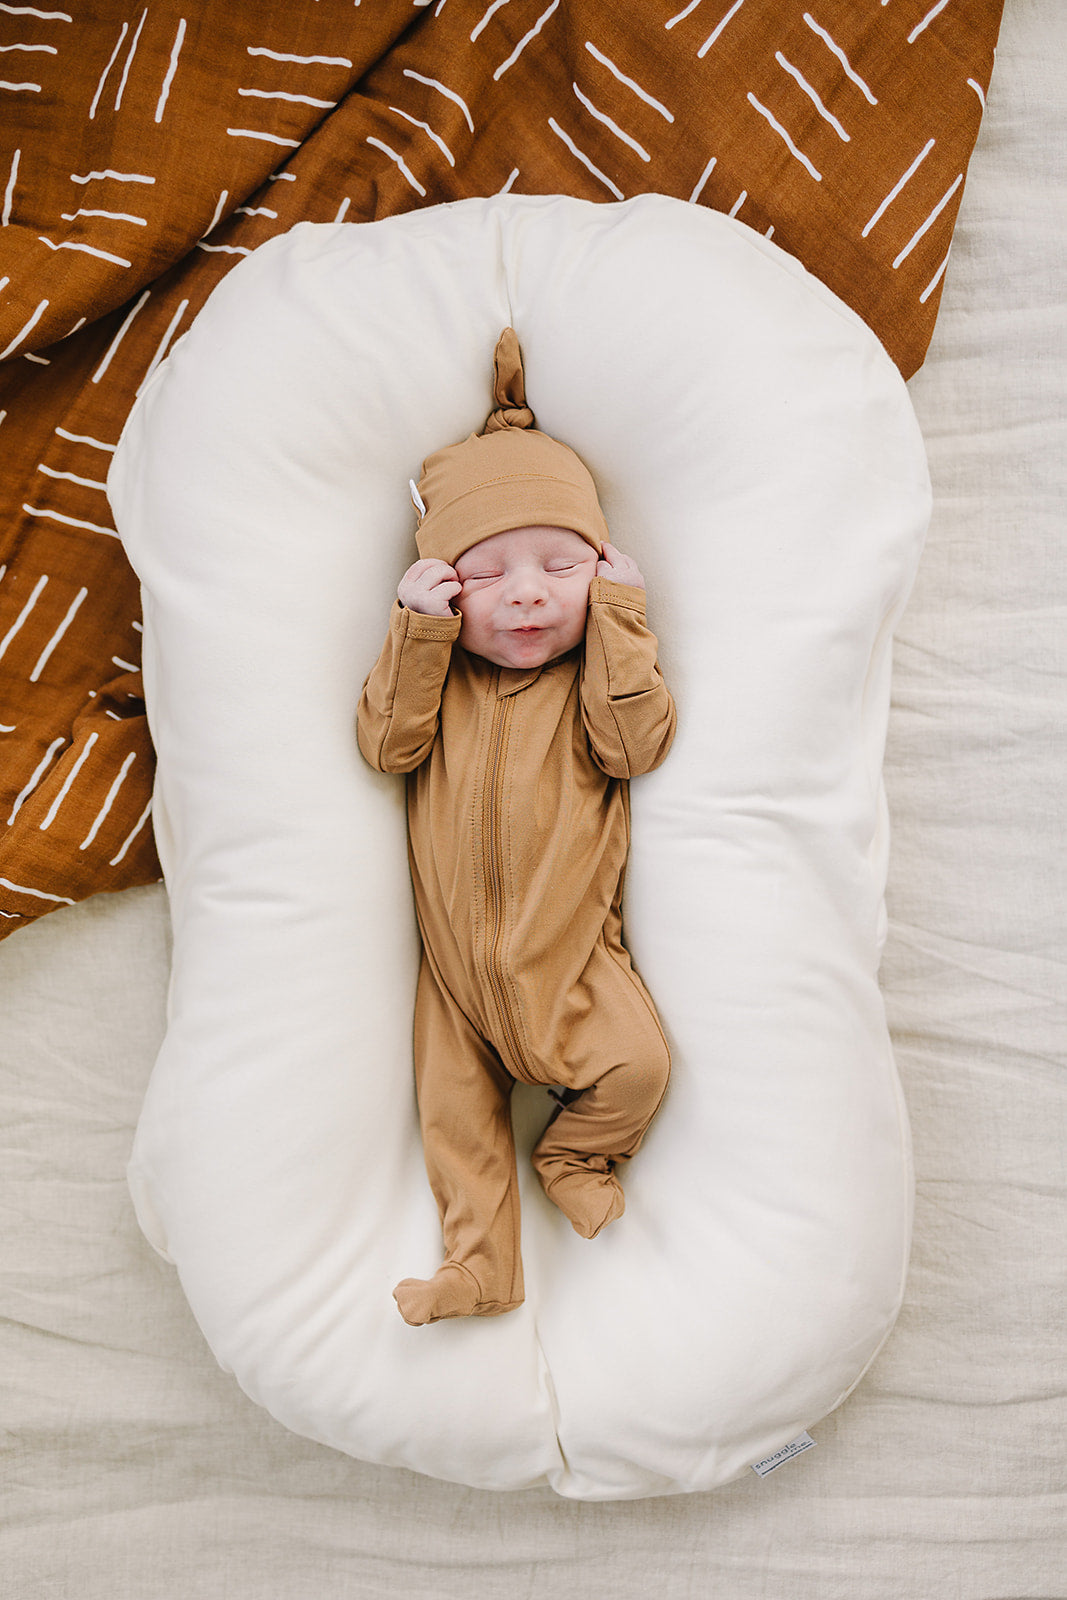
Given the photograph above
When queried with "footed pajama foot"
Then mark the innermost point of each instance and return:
(451, 1292)
(588, 1199)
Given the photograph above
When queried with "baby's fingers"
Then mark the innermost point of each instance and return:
(619, 568)
(428, 586)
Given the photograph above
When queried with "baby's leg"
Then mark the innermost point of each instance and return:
(465, 1109)
(576, 1155)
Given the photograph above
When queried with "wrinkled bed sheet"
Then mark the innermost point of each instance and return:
(131, 1466)
(148, 149)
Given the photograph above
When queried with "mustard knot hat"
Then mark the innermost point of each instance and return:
(508, 476)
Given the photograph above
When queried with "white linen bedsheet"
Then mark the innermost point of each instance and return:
(131, 1467)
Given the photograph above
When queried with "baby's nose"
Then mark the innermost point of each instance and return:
(527, 587)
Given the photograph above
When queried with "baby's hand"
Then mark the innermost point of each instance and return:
(619, 568)
(428, 586)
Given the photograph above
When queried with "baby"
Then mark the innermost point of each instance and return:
(519, 689)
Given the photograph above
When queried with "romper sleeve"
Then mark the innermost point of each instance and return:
(628, 713)
(396, 722)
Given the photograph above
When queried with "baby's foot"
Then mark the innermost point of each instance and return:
(451, 1292)
(588, 1199)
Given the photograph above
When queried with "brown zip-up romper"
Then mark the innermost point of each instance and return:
(518, 821)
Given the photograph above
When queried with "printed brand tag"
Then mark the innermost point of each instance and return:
(795, 1447)
(416, 498)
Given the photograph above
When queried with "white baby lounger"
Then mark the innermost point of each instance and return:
(756, 451)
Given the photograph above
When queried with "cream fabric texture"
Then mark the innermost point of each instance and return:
(132, 1466)
(756, 451)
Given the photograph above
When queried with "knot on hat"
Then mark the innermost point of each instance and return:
(508, 476)
(509, 387)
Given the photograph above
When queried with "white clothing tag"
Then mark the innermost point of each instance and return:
(416, 498)
(795, 1447)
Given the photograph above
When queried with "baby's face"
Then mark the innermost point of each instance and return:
(525, 595)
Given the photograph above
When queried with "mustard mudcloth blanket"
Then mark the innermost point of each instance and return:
(145, 149)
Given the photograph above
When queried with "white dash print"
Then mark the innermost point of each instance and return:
(117, 340)
(70, 477)
(31, 11)
(714, 38)
(268, 138)
(109, 801)
(108, 172)
(20, 888)
(42, 49)
(478, 28)
(784, 136)
(179, 39)
(53, 810)
(449, 94)
(70, 522)
(86, 249)
(425, 126)
(85, 438)
(164, 343)
(400, 162)
(138, 825)
(38, 774)
(282, 94)
(934, 281)
(979, 91)
(9, 192)
(113, 216)
(111, 62)
(27, 328)
(129, 61)
(584, 159)
(512, 175)
(224, 249)
(602, 116)
(252, 211)
(738, 203)
(43, 659)
(342, 209)
(704, 176)
(219, 208)
(23, 614)
(642, 94)
(812, 94)
(524, 41)
(930, 220)
(21, 88)
(898, 186)
(836, 51)
(690, 8)
(303, 61)
(926, 21)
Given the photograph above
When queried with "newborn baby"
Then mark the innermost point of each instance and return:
(519, 689)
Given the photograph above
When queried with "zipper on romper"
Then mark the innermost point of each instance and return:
(495, 856)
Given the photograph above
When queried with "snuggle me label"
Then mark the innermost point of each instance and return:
(795, 1447)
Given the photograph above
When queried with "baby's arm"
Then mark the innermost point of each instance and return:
(628, 713)
(397, 720)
